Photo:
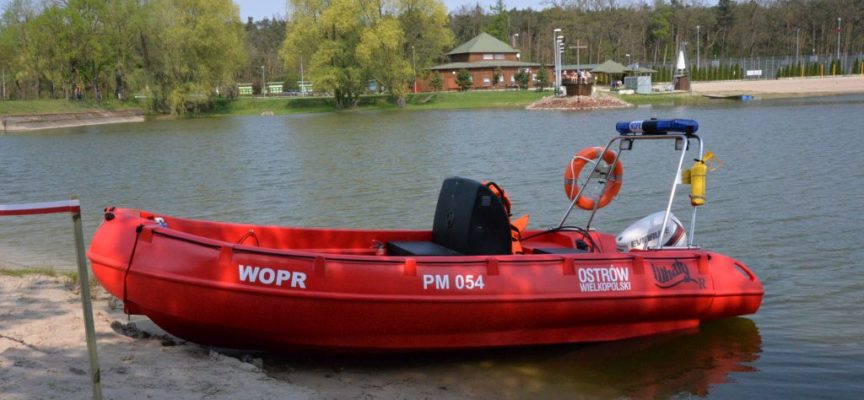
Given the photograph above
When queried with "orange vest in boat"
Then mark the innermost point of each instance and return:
(516, 227)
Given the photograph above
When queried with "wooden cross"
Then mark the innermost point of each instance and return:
(577, 47)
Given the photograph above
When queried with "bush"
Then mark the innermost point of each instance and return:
(542, 78)
(436, 83)
(463, 79)
(522, 79)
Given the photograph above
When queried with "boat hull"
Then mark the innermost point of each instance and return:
(197, 284)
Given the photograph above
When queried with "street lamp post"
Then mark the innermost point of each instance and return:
(555, 68)
(560, 66)
(555, 55)
(559, 44)
(263, 82)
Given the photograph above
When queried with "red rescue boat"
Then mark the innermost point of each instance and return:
(474, 281)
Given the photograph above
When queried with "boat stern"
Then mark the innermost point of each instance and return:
(738, 290)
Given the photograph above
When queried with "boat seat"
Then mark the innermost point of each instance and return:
(469, 220)
(559, 250)
(407, 248)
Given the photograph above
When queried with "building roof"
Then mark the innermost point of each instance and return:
(611, 67)
(573, 67)
(483, 43)
(486, 64)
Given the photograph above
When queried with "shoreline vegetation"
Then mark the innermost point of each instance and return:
(43, 114)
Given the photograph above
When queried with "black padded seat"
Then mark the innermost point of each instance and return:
(406, 248)
(469, 220)
(558, 250)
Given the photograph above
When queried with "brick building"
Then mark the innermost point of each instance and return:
(481, 56)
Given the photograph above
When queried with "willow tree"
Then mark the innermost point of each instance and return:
(195, 47)
(381, 51)
(342, 44)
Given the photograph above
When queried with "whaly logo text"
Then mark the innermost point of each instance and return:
(675, 274)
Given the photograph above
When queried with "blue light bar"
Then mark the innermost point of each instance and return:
(657, 126)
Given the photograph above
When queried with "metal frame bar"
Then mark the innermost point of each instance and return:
(685, 137)
(72, 206)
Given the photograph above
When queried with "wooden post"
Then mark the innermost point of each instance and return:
(89, 328)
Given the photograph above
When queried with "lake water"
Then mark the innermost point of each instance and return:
(788, 201)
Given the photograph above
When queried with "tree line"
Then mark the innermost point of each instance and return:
(651, 32)
(175, 55)
(179, 55)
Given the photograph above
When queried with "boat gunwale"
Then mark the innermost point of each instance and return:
(392, 259)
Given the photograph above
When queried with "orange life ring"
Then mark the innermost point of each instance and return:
(613, 183)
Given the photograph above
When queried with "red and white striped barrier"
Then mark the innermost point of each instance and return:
(49, 207)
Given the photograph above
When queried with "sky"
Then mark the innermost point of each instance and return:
(260, 9)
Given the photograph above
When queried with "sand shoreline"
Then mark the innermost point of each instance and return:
(43, 355)
(790, 87)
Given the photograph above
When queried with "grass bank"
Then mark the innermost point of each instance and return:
(420, 101)
(483, 99)
(20, 107)
(298, 105)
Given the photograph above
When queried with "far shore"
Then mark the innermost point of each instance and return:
(40, 121)
(19, 116)
(787, 87)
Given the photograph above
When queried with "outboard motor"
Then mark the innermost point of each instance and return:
(645, 233)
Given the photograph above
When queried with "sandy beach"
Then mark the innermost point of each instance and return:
(43, 355)
(794, 86)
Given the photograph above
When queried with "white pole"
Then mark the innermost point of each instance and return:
(559, 45)
(555, 56)
(84, 279)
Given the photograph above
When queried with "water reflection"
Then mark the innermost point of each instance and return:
(655, 367)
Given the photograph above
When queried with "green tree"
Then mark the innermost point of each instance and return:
(463, 79)
(347, 42)
(496, 76)
(499, 22)
(263, 40)
(522, 79)
(196, 47)
(425, 24)
(380, 51)
(436, 83)
(542, 78)
(22, 52)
